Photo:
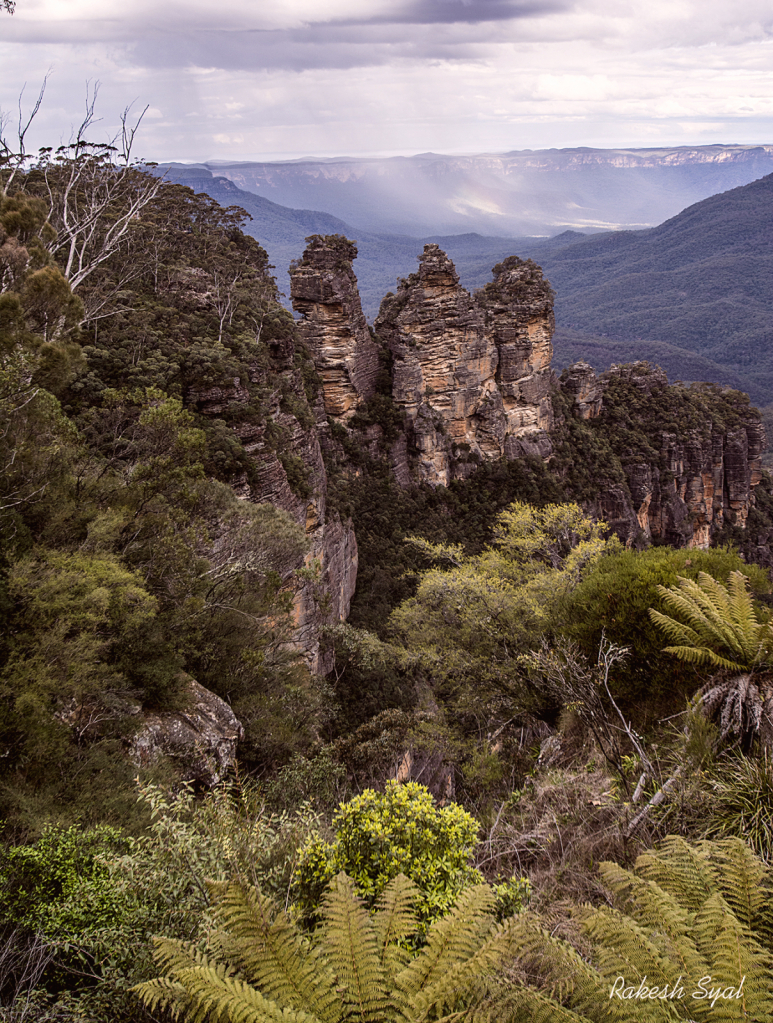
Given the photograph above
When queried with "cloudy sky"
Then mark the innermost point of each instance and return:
(276, 79)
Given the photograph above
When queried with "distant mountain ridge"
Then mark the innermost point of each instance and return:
(697, 289)
(694, 295)
(531, 192)
(382, 258)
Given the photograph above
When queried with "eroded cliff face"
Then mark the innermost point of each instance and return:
(288, 471)
(691, 456)
(471, 372)
(324, 291)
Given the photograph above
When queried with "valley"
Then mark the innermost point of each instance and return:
(368, 605)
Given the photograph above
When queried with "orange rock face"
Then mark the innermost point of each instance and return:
(471, 372)
(333, 326)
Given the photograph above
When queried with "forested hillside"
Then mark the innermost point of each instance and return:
(698, 284)
(338, 658)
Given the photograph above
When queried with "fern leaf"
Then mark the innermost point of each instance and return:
(350, 946)
(468, 978)
(743, 880)
(666, 922)
(680, 870)
(216, 996)
(742, 611)
(271, 953)
(564, 974)
(624, 948)
(677, 631)
(525, 1005)
(162, 993)
(702, 655)
(450, 940)
(690, 601)
(394, 921)
(736, 957)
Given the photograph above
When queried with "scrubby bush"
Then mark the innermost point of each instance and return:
(382, 834)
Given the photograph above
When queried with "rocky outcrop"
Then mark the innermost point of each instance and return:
(586, 389)
(288, 471)
(471, 372)
(202, 738)
(691, 456)
(324, 291)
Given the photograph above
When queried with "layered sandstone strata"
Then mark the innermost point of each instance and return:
(698, 479)
(471, 372)
(294, 445)
(324, 291)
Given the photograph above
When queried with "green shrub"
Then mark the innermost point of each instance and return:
(743, 803)
(614, 598)
(382, 834)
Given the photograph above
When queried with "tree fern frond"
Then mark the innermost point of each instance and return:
(702, 655)
(271, 952)
(742, 611)
(525, 1005)
(743, 880)
(172, 954)
(470, 974)
(564, 974)
(715, 601)
(680, 870)
(655, 910)
(716, 618)
(394, 921)
(216, 996)
(624, 948)
(162, 993)
(696, 607)
(451, 939)
(350, 946)
(677, 631)
(736, 957)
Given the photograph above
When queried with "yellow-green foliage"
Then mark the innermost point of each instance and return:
(687, 920)
(613, 599)
(473, 615)
(401, 830)
(355, 968)
(721, 627)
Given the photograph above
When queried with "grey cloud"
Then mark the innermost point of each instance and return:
(451, 12)
(335, 47)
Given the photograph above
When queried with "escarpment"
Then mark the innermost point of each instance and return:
(689, 457)
(471, 380)
(286, 469)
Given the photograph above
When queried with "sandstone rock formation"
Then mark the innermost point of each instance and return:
(704, 455)
(288, 472)
(471, 372)
(585, 388)
(202, 738)
(324, 291)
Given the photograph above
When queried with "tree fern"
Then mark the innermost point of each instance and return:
(270, 952)
(679, 869)
(350, 945)
(353, 968)
(451, 940)
(394, 922)
(673, 928)
(720, 626)
(666, 922)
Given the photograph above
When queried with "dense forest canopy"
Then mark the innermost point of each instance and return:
(500, 660)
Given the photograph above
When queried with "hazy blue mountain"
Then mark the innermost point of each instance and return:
(382, 257)
(694, 295)
(514, 194)
(701, 285)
